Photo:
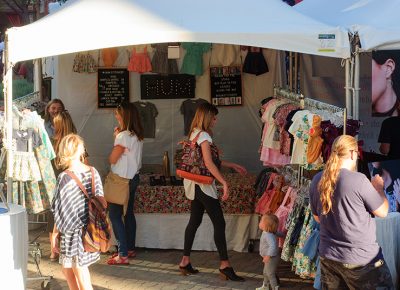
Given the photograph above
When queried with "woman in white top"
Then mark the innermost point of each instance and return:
(126, 161)
(205, 197)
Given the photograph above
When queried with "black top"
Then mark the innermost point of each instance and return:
(390, 134)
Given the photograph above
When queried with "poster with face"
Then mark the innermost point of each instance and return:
(385, 83)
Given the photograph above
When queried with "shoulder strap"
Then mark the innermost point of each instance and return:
(196, 138)
(79, 183)
(93, 181)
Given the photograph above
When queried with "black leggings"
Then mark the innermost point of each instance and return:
(200, 203)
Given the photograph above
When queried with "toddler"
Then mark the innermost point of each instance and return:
(269, 250)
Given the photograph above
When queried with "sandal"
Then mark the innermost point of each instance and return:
(131, 254)
(54, 258)
(118, 260)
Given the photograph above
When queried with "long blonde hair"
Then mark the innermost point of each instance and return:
(69, 150)
(205, 113)
(340, 150)
(63, 125)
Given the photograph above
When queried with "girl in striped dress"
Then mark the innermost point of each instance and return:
(70, 208)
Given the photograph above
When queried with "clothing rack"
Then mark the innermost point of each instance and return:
(309, 103)
(25, 101)
(281, 92)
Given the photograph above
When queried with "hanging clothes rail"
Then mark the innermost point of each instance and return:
(280, 92)
(308, 103)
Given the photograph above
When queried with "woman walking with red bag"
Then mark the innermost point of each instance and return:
(205, 196)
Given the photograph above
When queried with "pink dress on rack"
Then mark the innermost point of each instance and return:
(283, 211)
(140, 61)
(270, 155)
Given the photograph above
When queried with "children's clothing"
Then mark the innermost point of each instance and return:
(139, 61)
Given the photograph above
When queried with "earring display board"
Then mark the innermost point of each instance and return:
(171, 86)
(112, 87)
(226, 85)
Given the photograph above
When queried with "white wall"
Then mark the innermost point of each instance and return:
(237, 133)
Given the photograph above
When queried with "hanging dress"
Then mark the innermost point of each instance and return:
(139, 61)
(161, 63)
(109, 56)
(255, 63)
(193, 60)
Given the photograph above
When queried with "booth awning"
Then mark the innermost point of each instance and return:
(83, 25)
(376, 21)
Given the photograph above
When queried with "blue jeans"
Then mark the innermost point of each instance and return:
(125, 231)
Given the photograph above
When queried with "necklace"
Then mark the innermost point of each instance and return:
(387, 113)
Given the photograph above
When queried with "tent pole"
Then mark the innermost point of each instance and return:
(348, 86)
(8, 114)
(356, 82)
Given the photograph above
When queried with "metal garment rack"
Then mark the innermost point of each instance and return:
(34, 249)
(309, 103)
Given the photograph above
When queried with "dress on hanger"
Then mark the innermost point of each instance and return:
(193, 59)
(109, 56)
(161, 63)
(255, 63)
(139, 61)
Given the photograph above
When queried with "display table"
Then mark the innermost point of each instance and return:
(14, 246)
(388, 236)
(162, 213)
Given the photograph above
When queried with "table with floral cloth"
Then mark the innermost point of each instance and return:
(162, 213)
(171, 199)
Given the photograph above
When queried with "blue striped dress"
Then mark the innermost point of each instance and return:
(70, 209)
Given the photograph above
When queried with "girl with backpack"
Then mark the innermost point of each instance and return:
(71, 213)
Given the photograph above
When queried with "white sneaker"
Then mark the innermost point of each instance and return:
(263, 287)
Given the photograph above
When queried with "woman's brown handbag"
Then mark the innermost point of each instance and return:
(116, 189)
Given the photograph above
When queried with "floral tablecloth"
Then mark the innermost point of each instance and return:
(171, 199)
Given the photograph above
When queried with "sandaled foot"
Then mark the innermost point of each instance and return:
(54, 258)
(131, 254)
(118, 260)
(188, 270)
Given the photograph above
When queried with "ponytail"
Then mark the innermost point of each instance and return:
(340, 149)
(327, 183)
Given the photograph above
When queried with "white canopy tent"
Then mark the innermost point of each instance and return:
(83, 25)
(92, 24)
(375, 21)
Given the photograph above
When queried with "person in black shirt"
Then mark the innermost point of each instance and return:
(389, 137)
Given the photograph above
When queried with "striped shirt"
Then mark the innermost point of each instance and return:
(71, 213)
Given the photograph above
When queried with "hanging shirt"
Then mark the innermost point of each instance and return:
(148, 113)
(188, 109)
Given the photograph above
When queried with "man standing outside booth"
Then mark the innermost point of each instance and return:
(344, 202)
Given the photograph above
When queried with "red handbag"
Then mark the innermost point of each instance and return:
(190, 164)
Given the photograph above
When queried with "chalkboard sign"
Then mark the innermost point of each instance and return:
(226, 85)
(172, 86)
(112, 87)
